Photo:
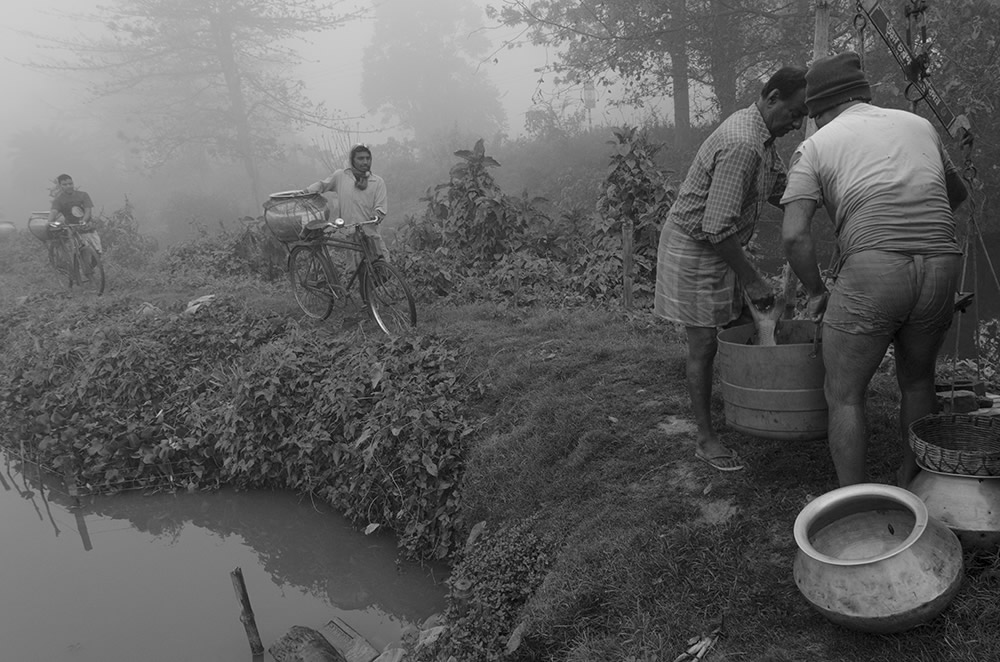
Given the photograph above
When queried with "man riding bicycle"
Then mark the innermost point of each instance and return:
(76, 208)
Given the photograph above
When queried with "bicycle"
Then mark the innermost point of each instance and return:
(70, 256)
(317, 284)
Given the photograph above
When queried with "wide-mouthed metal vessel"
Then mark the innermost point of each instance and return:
(968, 505)
(871, 558)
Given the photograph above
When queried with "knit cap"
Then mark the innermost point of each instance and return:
(833, 80)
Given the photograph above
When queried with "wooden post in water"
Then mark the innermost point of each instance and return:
(81, 527)
(627, 263)
(246, 613)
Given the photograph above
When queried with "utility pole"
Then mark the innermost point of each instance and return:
(821, 44)
(589, 100)
(821, 48)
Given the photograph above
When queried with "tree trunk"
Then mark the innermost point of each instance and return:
(238, 107)
(723, 58)
(678, 50)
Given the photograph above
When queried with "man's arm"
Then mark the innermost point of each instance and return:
(760, 293)
(323, 185)
(733, 178)
(88, 209)
(381, 201)
(957, 193)
(800, 249)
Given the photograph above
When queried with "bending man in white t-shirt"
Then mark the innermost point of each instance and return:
(890, 188)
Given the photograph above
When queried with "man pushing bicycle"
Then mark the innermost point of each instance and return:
(361, 195)
(77, 209)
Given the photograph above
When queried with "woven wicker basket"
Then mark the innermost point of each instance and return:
(957, 444)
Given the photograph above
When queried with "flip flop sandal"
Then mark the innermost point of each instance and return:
(725, 462)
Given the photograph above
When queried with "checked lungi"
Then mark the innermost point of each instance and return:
(694, 285)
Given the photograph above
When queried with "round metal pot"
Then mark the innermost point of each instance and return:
(968, 505)
(871, 558)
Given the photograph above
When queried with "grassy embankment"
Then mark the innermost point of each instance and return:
(626, 546)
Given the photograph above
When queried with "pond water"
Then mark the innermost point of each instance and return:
(135, 577)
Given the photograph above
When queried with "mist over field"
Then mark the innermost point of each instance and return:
(133, 131)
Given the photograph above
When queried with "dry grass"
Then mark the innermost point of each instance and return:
(588, 424)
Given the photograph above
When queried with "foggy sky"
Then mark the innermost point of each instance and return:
(42, 100)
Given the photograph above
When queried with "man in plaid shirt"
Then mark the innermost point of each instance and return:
(702, 268)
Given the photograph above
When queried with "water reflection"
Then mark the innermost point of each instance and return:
(87, 578)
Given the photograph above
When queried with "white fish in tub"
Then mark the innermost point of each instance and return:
(766, 321)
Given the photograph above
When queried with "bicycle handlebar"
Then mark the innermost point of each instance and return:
(76, 227)
(338, 224)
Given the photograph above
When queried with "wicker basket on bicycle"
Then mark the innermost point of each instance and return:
(286, 214)
(957, 444)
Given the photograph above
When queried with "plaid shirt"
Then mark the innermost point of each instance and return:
(734, 173)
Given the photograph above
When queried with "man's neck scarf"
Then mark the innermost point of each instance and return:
(360, 178)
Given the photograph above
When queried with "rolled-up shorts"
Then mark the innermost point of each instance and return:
(694, 285)
(879, 292)
(93, 240)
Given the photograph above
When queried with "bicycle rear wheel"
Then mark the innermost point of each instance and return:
(389, 298)
(311, 284)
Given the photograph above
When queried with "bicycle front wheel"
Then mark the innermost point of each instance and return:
(61, 259)
(311, 284)
(389, 298)
(87, 272)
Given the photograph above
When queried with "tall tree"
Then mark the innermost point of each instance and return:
(963, 51)
(208, 72)
(421, 70)
(658, 47)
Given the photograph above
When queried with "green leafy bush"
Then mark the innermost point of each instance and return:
(378, 431)
(230, 395)
(489, 588)
(476, 243)
(470, 214)
(109, 394)
(636, 198)
(253, 251)
(121, 239)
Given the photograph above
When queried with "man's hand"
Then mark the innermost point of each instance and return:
(760, 294)
(816, 306)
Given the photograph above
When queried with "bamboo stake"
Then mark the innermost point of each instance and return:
(246, 613)
(627, 263)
